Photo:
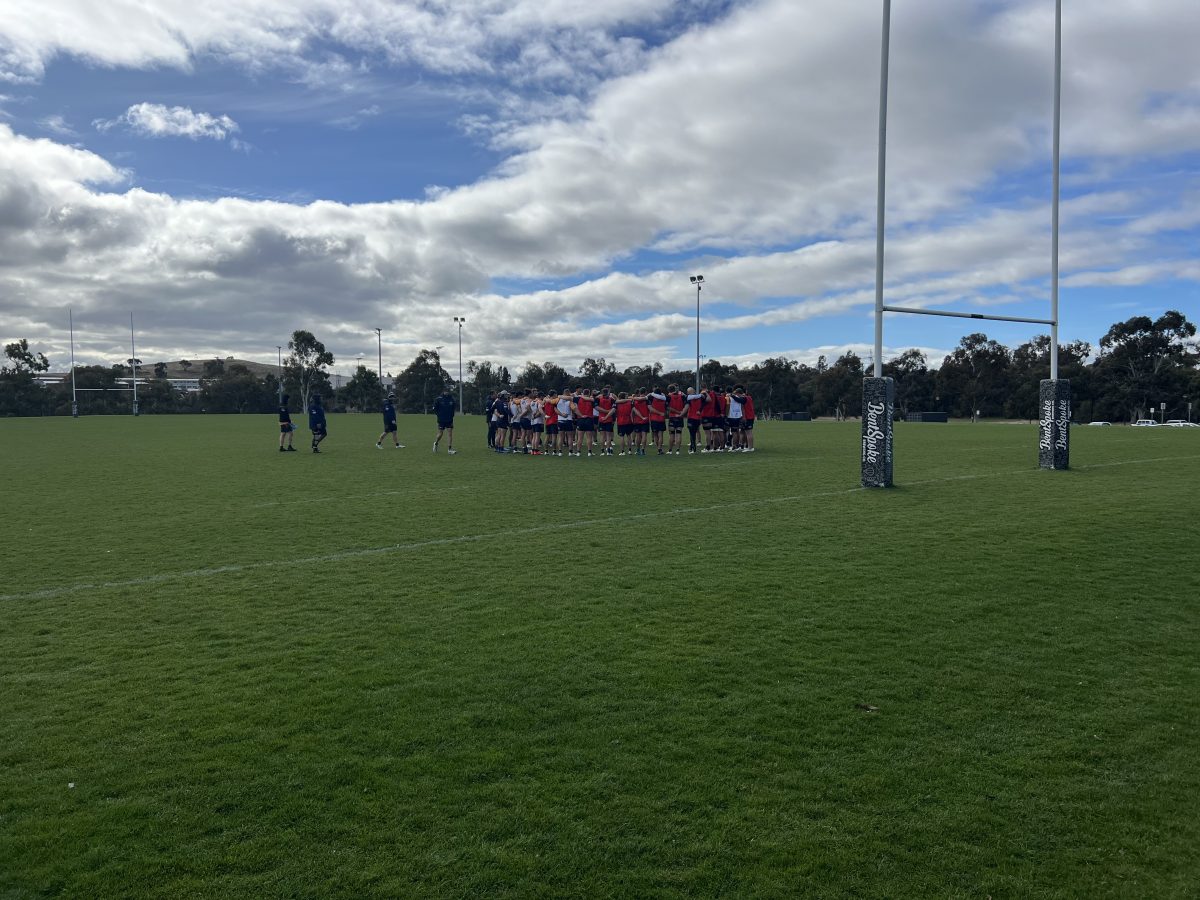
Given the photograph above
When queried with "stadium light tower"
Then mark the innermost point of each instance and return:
(698, 281)
(460, 321)
(279, 354)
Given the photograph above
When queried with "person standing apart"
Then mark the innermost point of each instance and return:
(285, 426)
(316, 421)
(443, 408)
(389, 423)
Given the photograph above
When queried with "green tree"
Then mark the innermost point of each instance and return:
(420, 382)
(304, 369)
(236, 390)
(1144, 362)
(838, 388)
(20, 392)
(914, 381)
(1031, 364)
(363, 392)
(975, 377)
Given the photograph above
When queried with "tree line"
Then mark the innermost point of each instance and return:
(1140, 363)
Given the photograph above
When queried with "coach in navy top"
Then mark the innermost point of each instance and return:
(443, 408)
(389, 423)
(316, 421)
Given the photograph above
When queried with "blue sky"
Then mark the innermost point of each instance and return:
(555, 171)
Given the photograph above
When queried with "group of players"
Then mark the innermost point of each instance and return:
(443, 408)
(586, 422)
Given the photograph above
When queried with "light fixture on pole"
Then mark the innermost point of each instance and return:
(697, 280)
(461, 321)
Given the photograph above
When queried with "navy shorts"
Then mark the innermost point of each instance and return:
(605, 426)
(389, 427)
(708, 421)
(624, 429)
(445, 423)
(641, 428)
(747, 424)
(658, 426)
(584, 425)
(526, 424)
(538, 428)
(321, 430)
(552, 428)
(566, 426)
(285, 427)
(734, 424)
(675, 423)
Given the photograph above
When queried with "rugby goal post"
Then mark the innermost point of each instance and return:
(879, 393)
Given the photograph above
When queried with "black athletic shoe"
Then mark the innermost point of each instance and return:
(315, 450)
(282, 450)
(291, 449)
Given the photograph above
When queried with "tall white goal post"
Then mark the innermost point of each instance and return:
(879, 393)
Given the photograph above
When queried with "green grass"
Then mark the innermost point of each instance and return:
(391, 673)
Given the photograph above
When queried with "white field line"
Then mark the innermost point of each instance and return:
(235, 568)
(407, 493)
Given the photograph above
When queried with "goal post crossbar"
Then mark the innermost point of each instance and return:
(966, 315)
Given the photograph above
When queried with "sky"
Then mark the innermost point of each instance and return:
(555, 170)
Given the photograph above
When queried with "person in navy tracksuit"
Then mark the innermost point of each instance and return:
(389, 423)
(316, 421)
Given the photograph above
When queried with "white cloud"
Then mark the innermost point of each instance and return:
(157, 120)
(732, 141)
(357, 118)
(56, 124)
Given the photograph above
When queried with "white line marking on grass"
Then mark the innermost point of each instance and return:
(367, 496)
(235, 568)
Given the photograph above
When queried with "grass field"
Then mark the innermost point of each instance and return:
(390, 673)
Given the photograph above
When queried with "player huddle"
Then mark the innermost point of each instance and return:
(601, 423)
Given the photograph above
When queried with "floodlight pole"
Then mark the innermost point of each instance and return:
(461, 322)
(279, 353)
(1055, 191)
(74, 399)
(699, 281)
(133, 362)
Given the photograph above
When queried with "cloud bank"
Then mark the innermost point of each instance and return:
(744, 146)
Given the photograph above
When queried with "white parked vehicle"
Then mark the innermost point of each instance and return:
(1145, 423)
(1180, 423)
(1100, 424)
